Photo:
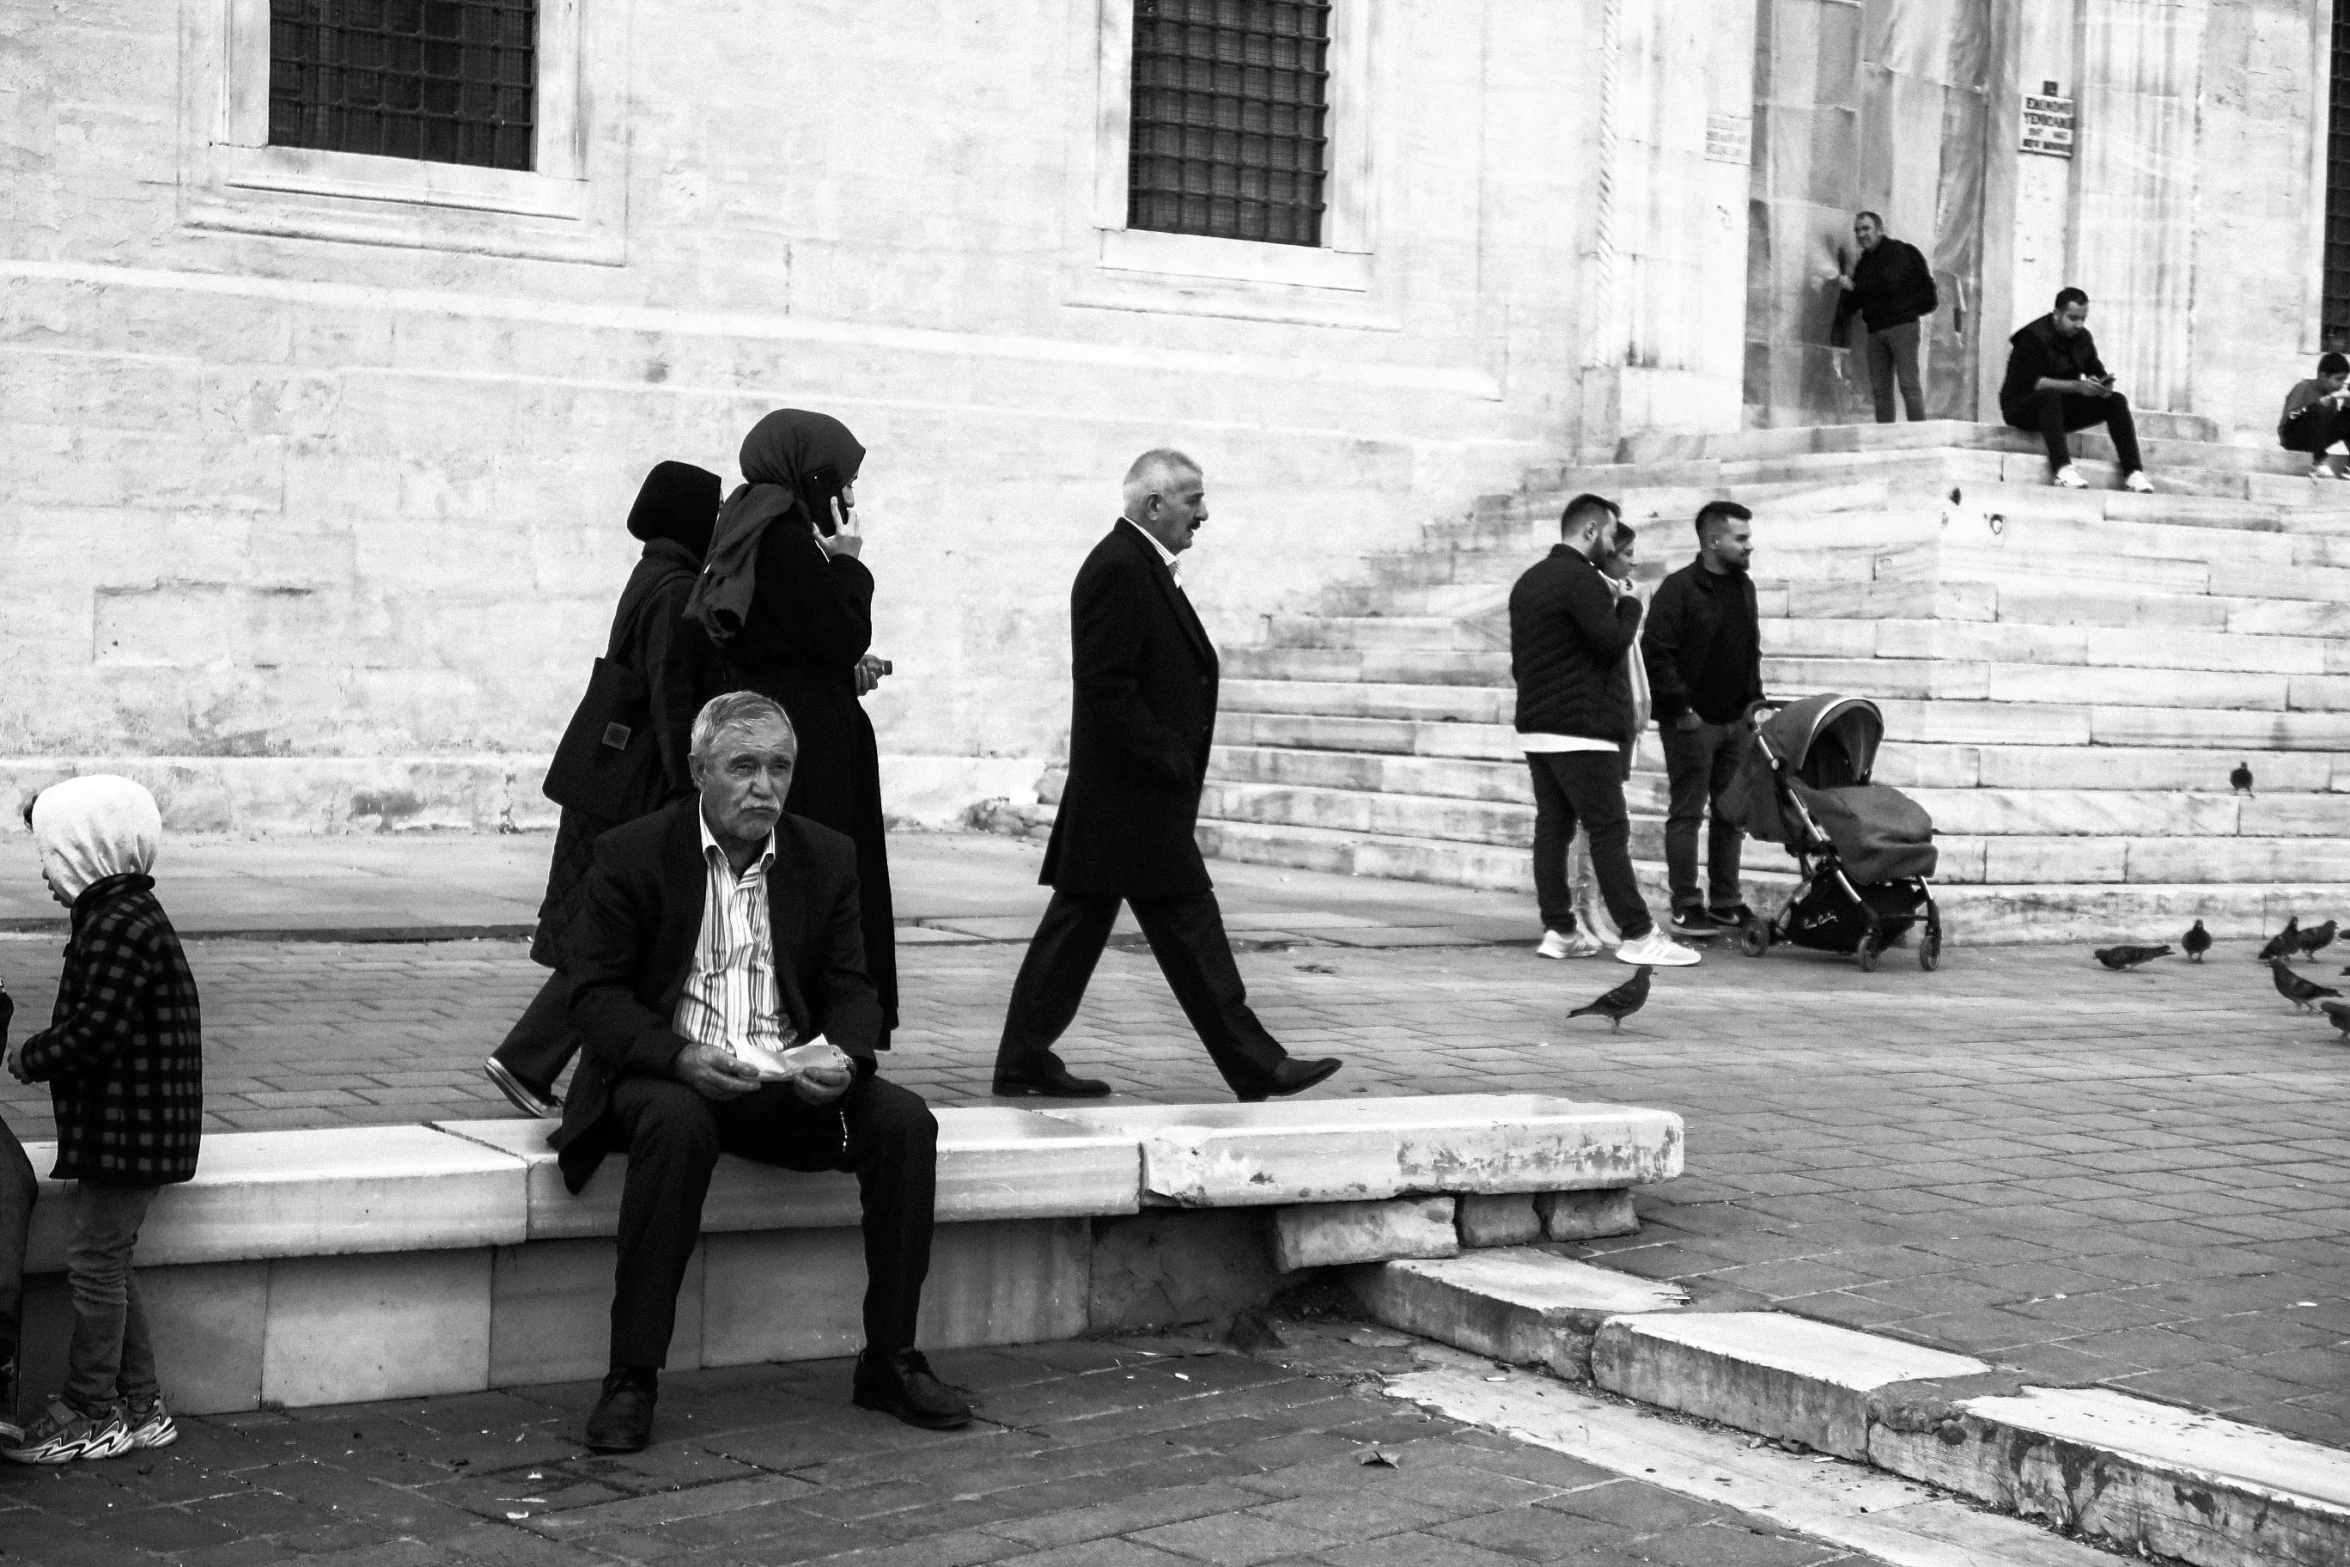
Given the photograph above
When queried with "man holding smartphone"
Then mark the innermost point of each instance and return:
(2056, 384)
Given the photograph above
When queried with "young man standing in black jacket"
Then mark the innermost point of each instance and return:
(1570, 627)
(1703, 647)
(1889, 287)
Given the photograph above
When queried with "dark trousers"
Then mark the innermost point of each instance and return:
(111, 1356)
(539, 1046)
(673, 1137)
(1186, 936)
(1893, 359)
(2055, 413)
(18, 1188)
(1699, 764)
(1585, 787)
(2314, 429)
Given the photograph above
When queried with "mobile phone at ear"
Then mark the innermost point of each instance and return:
(819, 490)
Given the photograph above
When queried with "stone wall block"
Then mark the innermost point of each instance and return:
(1167, 1267)
(389, 1325)
(1499, 1219)
(551, 1313)
(1316, 1235)
(1583, 1216)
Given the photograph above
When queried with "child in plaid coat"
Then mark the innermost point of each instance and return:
(124, 1060)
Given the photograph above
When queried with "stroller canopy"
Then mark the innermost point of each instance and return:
(1827, 741)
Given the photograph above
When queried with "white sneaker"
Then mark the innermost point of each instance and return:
(2138, 484)
(2069, 477)
(2319, 470)
(1578, 943)
(1658, 948)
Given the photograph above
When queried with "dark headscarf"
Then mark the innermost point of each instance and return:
(777, 457)
(679, 502)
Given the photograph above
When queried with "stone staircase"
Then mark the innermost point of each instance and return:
(2067, 677)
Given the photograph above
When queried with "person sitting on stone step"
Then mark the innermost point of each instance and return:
(2056, 384)
(2317, 416)
(717, 932)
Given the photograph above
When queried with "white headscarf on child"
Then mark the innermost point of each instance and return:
(88, 829)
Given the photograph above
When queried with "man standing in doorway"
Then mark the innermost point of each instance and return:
(1571, 626)
(1703, 647)
(1890, 287)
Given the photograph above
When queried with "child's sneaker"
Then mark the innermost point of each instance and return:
(63, 1434)
(1577, 943)
(150, 1424)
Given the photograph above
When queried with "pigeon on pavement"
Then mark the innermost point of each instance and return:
(1621, 1002)
(2294, 988)
(2197, 941)
(2241, 779)
(2317, 939)
(2338, 1014)
(2128, 957)
(2284, 944)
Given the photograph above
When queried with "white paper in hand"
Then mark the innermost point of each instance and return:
(781, 1066)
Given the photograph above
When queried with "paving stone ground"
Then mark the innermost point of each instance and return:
(1160, 1454)
(2136, 1179)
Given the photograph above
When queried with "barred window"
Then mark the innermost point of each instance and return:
(446, 81)
(2336, 320)
(1230, 105)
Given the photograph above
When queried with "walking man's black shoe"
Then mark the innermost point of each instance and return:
(522, 1096)
(1053, 1081)
(1293, 1077)
(898, 1382)
(622, 1421)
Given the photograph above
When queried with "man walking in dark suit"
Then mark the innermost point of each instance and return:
(1139, 730)
(717, 934)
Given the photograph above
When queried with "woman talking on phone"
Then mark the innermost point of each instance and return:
(790, 606)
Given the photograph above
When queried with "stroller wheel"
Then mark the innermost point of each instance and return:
(1754, 939)
(1930, 951)
(1868, 951)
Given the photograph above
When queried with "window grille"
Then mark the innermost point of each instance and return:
(447, 81)
(2337, 275)
(1230, 104)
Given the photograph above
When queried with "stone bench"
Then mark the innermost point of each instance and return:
(341, 1265)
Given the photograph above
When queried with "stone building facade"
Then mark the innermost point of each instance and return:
(317, 459)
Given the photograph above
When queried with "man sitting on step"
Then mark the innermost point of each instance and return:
(1570, 629)
(2056, 384)
(718, 985)
(2317, 416)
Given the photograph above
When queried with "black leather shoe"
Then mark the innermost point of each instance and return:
(1293, 1077)
(898, 1382)
(1053, 1081)
(522, 1096)
(622, 1421)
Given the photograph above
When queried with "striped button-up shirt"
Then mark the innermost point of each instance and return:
(729, 998)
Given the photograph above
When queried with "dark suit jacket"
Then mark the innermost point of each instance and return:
(1143, 716)
(633, 944)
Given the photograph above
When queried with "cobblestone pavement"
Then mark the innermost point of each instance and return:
(1155, 1454)
(2140, 1179)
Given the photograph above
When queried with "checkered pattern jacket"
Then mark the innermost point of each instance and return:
(124, 1051)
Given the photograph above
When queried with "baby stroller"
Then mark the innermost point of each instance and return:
(1864, 850)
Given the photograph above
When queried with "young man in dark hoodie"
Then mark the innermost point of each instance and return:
(1703, 647)
(2056, 383)
(1889, 288)
(1570, 627)
(2317, 415)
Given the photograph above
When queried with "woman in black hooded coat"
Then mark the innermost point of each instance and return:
(803, 640)
(674, 513)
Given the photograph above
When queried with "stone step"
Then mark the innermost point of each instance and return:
(2036, 910)
(2020, 719)
(1984, 812)
(1440, 633)
(2132, 646)
(1951, 680)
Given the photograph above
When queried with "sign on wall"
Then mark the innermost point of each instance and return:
(2048, 123)
(1729, 138)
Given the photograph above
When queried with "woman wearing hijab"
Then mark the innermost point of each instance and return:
(124, 1060)
(790, 605)
(651, 634)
